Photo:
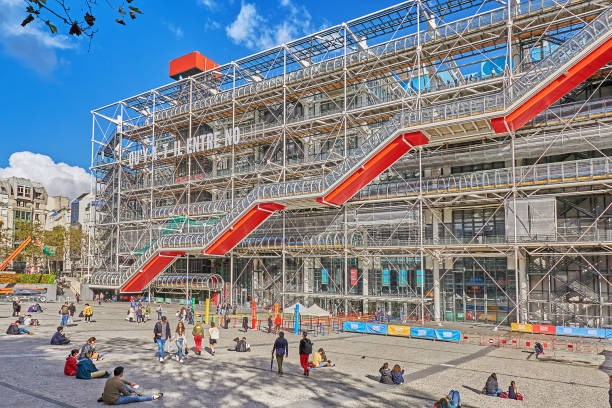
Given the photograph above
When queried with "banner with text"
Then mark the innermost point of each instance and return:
(448, 335)
(354, 327)
(422, 332)
(376, 328)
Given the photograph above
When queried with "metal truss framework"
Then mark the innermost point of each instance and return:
(304, 107)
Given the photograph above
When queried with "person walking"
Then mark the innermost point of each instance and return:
(64, 312)
(213, 337)
(198, 332)
(277, 323)
(281, 349)
(181, 341)
(87, 313)
(139, 315)
(305, 351)
(245, 324)
(162, 333)
(160, 311)
(118, 391)
(71, 312)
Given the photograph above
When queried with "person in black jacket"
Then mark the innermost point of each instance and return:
(281, 347)
(305, 351)
(162, 333)
(16, 307)
(491, 387)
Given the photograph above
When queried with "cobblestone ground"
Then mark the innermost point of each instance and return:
(32, 370)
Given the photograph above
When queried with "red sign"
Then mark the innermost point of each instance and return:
(353, 277)
(254, 317)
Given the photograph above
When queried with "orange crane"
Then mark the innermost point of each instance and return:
(46, 250)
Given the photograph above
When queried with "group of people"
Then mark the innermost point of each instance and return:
(391, 376)
(492, 389)
(274, 327)
(163, 335)
(137, 312)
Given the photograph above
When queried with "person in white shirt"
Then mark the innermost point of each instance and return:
(213, 335)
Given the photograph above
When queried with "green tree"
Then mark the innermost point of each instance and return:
(56, 239)
(31, 254)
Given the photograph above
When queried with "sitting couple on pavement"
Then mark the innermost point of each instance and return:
(394, 376)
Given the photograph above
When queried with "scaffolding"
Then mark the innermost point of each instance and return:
(485, 214)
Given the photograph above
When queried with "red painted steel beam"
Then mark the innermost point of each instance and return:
(150, 271)
(556, 89)
(243, 227)
(373, 167)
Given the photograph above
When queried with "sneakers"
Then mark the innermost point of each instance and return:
(158, 396)
(136, 387)
(181, 360)
(177, 358)
(161, 359)
(101, 399)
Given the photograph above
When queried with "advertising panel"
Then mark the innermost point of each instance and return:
(543, 329)
(324, 277)
(448, 335)
(403, 278)
(376, 328)
(521, 327)
(359, 327)
(386, 279)
(353, 276)
(422, 332)
(394, 330)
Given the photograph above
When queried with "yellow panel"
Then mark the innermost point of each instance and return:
(393, 330)
(521, 327)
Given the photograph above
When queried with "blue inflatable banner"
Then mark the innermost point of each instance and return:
(354, 327)
(580, 331)
(422, 332)
(609, 333)
(376, 328)
(448, 335)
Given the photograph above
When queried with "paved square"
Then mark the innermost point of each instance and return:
(32, 370)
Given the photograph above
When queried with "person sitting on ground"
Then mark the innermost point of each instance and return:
(90, 346)
(14, 329)
(241, 345)
(119, 391)
(538, 350)
(70, 368)
(385, 374)
(513, 392)
(28, 321)
(319, 359)
(59, 338)
(87, 370)
(491, 387)
(21, 318)
(37, 308)
(397, 374)
(452, 400)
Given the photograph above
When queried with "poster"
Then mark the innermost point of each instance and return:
(420, 278)
(403, 279)
(386, 280)
(353, 272)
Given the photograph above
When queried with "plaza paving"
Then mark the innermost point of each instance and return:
(32, 370)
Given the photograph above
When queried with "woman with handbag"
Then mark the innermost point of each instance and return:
(181, 341)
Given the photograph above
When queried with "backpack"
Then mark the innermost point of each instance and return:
(308, 347)
(12, 329)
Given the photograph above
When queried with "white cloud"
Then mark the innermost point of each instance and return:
(256, 32)
(177, 31)
(33, 45)
(58, 178)
(208, 3)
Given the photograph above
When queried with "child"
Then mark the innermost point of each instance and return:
(71, 364)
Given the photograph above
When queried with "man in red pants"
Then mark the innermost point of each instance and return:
(305, 351)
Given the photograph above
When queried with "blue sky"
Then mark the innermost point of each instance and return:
(50, 83)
